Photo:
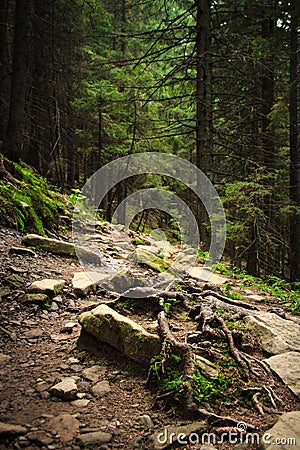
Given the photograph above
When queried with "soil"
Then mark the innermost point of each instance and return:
(42, 352)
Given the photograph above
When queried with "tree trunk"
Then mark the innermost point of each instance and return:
(16, 121)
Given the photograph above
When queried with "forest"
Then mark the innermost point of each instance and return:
(85, 82)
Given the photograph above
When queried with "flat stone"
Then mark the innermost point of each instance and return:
(39, 437)
(68, 327)
(86, 282)
(99, 437)
(61, 248)
(207, 368)
(201, 273)
(286, 431)
(4, 359)
(47, 286)
(11, 430)
(120, 283)
(21, 251)
(92, 373)
(101, 389)
(287, 366)
(39, 299)
(65, 390)
(184, 434)
(277, 335)
(81, 403)
(65, 425)
(34, 333)
(121, 333)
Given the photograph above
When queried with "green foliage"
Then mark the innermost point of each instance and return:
(209, 391)
(166, 373)
(31, 205)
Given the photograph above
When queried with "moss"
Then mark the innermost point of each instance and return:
(32, 204)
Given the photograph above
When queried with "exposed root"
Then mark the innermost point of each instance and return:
(257, 403)
(191, 410)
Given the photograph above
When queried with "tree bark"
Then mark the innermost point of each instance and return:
(16, 122)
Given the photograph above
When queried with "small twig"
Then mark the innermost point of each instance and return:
(12, 334)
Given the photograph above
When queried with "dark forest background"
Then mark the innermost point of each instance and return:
(83, 82)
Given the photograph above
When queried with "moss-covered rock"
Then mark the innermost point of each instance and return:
(61, 248)
(47, 286)
(121, 333)
(40, 299)
(150, 259)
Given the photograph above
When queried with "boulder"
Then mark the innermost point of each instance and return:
(121, 333)
(277, 335)
(285, 434)
(287, 366)
(149, 258)
(47, 286)
(85, 282)
(61, 248)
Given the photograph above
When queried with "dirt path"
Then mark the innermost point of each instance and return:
(39, 348)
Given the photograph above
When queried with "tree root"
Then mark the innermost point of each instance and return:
(190, 409)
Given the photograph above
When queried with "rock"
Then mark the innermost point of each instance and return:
(54, 307)
(68, 327)
(85, 282)
(92, 373)
(286, 431)
(204, 274)
(21, 251)
(33, 333)
(40, 299)
(207, 368)
(122, 333)
(61, 248)
(39, 437)
(120, 283)
(47, 286)
(287, 366)
(65, 390)
(4, 359)
(14, 281)
(81, 403)
(65, 425)
(99, 437)
(277, 335)
(101, 389)
(149, 258)
(147, 421)
(8, 430)
(184, 434)
(140, 292)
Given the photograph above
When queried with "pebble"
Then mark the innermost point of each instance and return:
(65, 390)
(97, 436)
